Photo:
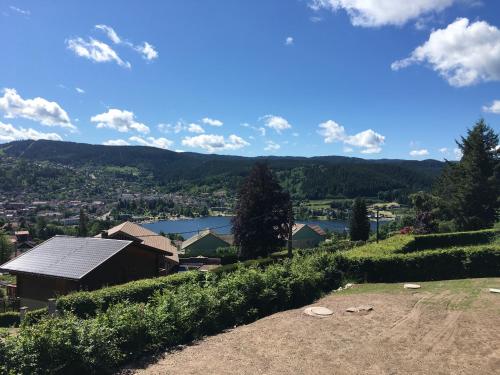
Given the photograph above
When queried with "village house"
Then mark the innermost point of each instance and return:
(306, 236)
(206, 243)
(64, 264)
(134, 232)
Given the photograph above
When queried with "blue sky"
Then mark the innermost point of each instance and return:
(373, 79)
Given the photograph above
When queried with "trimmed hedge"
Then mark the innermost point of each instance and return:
(9, 319)
(68, 344)
(87, 303)
(440, 240)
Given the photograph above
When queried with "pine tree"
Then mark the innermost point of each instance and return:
(359, 224)
(83, 224)
(262, 214)
(469, 189)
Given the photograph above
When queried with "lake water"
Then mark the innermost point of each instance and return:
(222, 225)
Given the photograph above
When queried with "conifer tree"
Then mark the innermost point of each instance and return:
(262, 214)
(83, 224)
(469, 190)
(359, 224)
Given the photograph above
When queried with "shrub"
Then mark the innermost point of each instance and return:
(34, 316)
(87, 303)
(9, 319)
(440, 240)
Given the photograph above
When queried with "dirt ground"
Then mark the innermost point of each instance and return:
(450, 327)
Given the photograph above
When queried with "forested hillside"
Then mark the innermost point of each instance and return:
(50, 165)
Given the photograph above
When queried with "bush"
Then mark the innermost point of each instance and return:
(87, 303)
(174, 316)
(440, 240)
(9, 319)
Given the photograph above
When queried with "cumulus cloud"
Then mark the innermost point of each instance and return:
(123, 121)
(96, 51)
(373, 13)
(147, 50)
(79, 90)
(289, 41)
(37, 109)
(161, 142)
(116, 142)
(9, 133)
(420, 152)
(212, 122)
(214, 143)
(463, 53)
(369, 141)
(195, 128)
(272, 146)
(493, 108)
(279, 124)
(169, 128)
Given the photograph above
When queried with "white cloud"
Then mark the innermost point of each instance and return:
(153, 142)
(373, 13)
(169, 128)
(123, 121)
(493, 108)
(116, 142)
(369, 141)
(195, 128)
(9, 133)
(277, 123)
(20, 11)
(213, 143)
(463, 53)
(212, 122)
(79, 90)
(37, 109)
(147, 50)
(95, 50)
(458, 153)
(289, 41)
(110, 32)
(443, 150)
(295, 134)
(420, 152)
(272, 146)
(348, 149)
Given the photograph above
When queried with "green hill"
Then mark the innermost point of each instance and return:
(312, 178)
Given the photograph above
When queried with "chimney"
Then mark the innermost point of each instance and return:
(104, 234)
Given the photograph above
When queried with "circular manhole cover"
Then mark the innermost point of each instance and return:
(318, 311)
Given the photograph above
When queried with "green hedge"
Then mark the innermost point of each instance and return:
(9, 319)
(450, 263)
(87, 303)
(175, 316)
(441, 240)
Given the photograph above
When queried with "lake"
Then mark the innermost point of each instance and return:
(222, 225)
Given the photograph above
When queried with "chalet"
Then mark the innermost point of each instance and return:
(205, 243)
(306, 235)
(63, 264)
(134, 232)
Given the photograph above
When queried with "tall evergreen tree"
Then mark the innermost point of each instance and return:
(470, 189)
(83, 224)
(262, 214)
(6, 248)
(359, 224)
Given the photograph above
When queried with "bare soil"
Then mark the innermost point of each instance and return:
(450, 327)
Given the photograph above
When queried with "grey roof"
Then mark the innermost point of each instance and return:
(66, 257)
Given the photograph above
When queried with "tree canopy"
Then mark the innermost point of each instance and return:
(262, 214)
(469, 190)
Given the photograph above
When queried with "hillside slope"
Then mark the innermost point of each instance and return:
(314, 177)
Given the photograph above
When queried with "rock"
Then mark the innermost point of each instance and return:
(352, 309)
(411, 286)
(339, 289)
(349, 285)
(493, 290)
(365, 308)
